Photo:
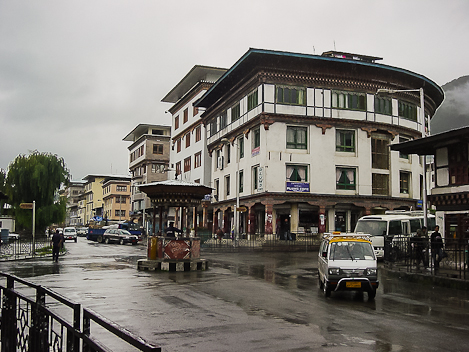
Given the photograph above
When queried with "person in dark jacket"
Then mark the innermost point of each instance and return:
(56, 243)
(419, 246)
(171, 230)
(219, 234)
(437, 247)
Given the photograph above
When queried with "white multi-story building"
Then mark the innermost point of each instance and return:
(189, 156)
(303, 140)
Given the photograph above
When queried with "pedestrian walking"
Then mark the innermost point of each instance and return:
(287, 234)
(56, 243)
(436, 242)
(219, 234)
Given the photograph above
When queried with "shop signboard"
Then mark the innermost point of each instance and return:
(297, 187)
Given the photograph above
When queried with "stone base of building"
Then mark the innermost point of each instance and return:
(172, 265)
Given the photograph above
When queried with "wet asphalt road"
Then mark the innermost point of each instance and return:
(250, 302)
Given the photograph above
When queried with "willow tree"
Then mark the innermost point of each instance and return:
(37, 177)
(2, 189)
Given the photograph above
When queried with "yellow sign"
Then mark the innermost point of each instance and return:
(26, 205)
(242, 209)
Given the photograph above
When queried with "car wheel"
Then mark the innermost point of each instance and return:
(100, 239)
(371, 294)
(121, 241)
(75, 240)
(106, 240)
(327, 290)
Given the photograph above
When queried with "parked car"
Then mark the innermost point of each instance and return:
(119, 236)
(82, 231)
(11, 237)
(347, 262)
(70, 233)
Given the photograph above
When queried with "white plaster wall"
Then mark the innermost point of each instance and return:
(320, 155)
(269, 93)
(202, 172)
(348, 114)
(441, 157)
(291, 110)
(442, 177)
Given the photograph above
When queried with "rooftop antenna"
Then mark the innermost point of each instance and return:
(314, 50)
(334, 46)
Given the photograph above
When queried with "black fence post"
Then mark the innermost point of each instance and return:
(39, 323)
(9, 322)
(86, 333)
(73, 337)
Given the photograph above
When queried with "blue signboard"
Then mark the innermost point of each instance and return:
(419, 203)
(297, 186)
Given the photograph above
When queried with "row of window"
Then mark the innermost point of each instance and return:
(120, 213)
(289, 95)
(188, 163)
(187, 138)
(142, 170)
(219, 123)
(158, 149)
(137, 153)
(119, 188)
(185, 116)
(346, 179)
(297, 138)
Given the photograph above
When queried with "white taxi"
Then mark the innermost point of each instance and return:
(347, 261)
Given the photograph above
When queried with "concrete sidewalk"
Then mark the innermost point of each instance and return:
(449, 278)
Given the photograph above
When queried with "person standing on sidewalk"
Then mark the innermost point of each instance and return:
(418, 244)
(437, 247)
(56, 243)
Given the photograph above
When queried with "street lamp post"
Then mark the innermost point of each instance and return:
(422, 121)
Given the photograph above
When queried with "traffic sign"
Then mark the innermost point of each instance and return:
(26, 205)
(242, 209)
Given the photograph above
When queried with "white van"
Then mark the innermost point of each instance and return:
(393, 224)
(347, 261)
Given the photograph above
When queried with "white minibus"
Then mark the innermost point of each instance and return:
(394, 223)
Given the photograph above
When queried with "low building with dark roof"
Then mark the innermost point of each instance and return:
(450, 194)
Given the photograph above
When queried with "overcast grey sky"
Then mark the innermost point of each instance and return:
(77, 76)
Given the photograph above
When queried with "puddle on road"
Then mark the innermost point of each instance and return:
(105, 266)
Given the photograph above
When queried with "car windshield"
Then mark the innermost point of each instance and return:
(371, 227)
(124, 232)
(69, 230)
(351, 250)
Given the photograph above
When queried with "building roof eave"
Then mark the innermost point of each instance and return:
(428, 145)
(268, 58)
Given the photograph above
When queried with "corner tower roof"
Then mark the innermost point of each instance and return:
(255, 60)
(197, 74)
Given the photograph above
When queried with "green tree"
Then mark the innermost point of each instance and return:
(37, 177)
(2, 189)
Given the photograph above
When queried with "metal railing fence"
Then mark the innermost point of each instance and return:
(23, 248)
(29, 322)
(259, 241)
(414, 255)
